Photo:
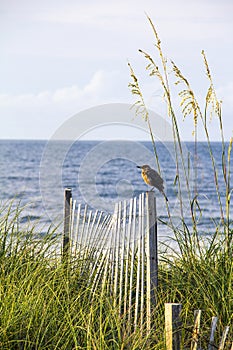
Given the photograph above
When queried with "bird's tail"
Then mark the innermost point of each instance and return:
(164, 195)
(161, 189)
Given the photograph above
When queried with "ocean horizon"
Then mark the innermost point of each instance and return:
(34, 173)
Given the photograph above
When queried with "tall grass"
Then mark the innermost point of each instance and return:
(47, 304)
(199, 274)
(189, 106)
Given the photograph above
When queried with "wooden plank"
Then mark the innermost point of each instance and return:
(142, 229)
(148, 273)
(94, 226)
(89, 244)
(152, 250)
(196, 329)
(212, 331)
(138, 272)
(83, 226)
(76, 237)
(96, 230)
(112, 249)
(116, 254)
(122, 256)
(223, 339)
(132, 262)
(67, 222)
(87, 231)
(72, 221)
(128, 238)
(173, 326)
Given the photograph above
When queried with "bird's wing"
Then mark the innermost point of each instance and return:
(155, 176)
(156, 180)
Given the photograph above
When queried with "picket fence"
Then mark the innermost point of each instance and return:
(123, 248)
(122, 254)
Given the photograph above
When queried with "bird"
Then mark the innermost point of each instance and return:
(152, 178)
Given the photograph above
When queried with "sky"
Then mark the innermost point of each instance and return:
(59, 58)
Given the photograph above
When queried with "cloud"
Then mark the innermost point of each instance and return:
(39, 115)
(92, 90)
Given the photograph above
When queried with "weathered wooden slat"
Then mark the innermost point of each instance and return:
(87, 231)
(132, 262)
(90, 236)
(72, 221)
(139, 247)
(127, 257)
(151, 256)
(94, 224)
(116, 254)
(196, 329)
(122, 255)
(76, 236)
(142, 229)
(212, 332)
(223, 339)
(173, 326)
(83, 226)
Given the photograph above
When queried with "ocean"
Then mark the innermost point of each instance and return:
(100, 173)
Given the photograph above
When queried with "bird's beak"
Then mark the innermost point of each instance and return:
(138, 166)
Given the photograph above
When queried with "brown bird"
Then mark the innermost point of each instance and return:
(152, 178)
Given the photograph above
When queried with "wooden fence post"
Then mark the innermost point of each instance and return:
(173, 326)
(151, 256)
(152, 243)
(67, 222)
